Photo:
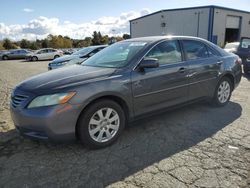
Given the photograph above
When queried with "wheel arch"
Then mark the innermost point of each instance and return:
(230, 76)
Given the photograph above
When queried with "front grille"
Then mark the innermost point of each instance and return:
(17, 100)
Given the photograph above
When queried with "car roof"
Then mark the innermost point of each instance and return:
(158, 38)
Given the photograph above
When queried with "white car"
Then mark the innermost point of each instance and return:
(44, 54)
(232, 47)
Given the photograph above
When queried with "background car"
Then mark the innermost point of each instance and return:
(243, 51)
(44, 54)
(232, 47)
(15, 54)
(94, 100)
(76, 58)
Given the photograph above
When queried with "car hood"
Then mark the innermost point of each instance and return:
(64, 77)
(64, 58)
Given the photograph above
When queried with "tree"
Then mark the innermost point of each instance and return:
(7, 44)
(96, 40)
(33, 46)
(45, 43)
(105, 39)
(24, 43)
(126, 36)
(1, 46)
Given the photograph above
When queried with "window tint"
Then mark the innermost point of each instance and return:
(194, 49)
(166, 52)
(212, 53)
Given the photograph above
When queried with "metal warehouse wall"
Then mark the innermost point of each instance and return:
(219, 27)
(190, 22)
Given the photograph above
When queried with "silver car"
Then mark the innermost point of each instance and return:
(44, 54)
(15, 54)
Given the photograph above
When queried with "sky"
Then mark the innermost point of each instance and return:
(35, 19)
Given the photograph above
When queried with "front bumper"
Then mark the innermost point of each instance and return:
(55, 123)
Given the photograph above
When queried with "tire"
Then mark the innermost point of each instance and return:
(56, 56)
(113, 123)
(223, 92)
(34, 58)
(5, 57)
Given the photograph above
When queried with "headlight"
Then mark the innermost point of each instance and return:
(48, 100)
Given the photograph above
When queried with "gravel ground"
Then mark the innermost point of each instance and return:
(195, 146)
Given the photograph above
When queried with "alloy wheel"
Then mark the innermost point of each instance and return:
(104, 125)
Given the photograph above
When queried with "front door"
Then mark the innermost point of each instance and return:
(167, 85)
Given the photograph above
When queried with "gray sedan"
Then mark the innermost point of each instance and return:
(15, 54)
(93, 102)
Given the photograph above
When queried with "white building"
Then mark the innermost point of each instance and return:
(216, 24)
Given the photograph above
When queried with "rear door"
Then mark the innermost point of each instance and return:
(204, 66)
(51, 54)
(167, 85)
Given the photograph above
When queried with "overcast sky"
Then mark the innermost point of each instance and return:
(33, 19)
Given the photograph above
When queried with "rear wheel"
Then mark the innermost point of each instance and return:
(223, 92)
(56, 56)
(101, 124)
(34, 58)
(5, 57)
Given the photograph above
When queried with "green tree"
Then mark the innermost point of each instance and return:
(45, 43)
(7, 44)
(24, 43)
(33, 46)
(96, 40)
(105, 39)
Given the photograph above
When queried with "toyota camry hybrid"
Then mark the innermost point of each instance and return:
(94, 101)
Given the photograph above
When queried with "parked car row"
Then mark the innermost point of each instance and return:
(76, 58)
(242, 49)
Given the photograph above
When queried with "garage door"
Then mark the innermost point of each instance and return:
(233, 22)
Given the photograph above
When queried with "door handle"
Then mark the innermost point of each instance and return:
(182, 70)
(219, 62)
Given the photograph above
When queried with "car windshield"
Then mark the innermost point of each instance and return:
(83, 51)
(116, 55)
(231, 45)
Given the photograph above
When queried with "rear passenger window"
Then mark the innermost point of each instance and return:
(166, 52)
(212, 53)
(194, 50)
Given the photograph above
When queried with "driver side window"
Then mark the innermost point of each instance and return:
(166, 52)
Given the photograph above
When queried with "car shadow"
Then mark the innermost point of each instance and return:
(142, 144)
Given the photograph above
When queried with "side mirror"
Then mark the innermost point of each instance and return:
(149, 63)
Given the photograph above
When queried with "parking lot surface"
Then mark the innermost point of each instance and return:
(194, 146)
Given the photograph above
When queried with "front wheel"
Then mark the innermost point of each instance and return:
(101, 124)
(5, 57)
(223, 92)
(34, 58)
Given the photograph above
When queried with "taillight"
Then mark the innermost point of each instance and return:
(238, 61)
